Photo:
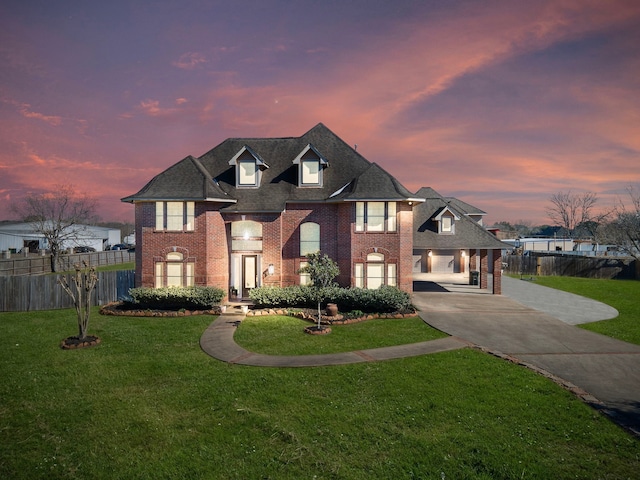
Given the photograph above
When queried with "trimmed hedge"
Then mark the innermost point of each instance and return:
(175, 298)
(382, 300)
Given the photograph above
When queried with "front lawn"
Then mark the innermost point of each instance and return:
(148, 403)
(623, 295)
(282, 335)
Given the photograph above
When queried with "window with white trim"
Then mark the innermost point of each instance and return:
(376, 217)
(174, 271)
(447, 224)
(175, 216)
(358, 273)
(311, 165)
(246, 236)
(247, 173)
(375, 272)
(305, 278)
(309, 238)
(249, 167)
(310, 172)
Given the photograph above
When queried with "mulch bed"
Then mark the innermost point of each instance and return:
(310, 314)
(72, 343)
(120, 309)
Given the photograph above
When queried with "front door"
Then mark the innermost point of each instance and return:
(249, 274)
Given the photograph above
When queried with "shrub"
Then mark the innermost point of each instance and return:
(175, 298)
(383, 300)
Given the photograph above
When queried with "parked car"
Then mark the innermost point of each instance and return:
(83, 249)
(120, 246)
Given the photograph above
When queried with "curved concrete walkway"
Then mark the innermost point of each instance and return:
(218, 342)
(529, 324)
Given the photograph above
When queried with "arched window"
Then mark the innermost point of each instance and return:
(375, 272)
(309, 238)
(174, 271)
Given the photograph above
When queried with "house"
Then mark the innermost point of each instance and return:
(246, 214)
(449, 238)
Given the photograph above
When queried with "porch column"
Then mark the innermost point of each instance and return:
(473, 254)
(484, 268)
(497, 272)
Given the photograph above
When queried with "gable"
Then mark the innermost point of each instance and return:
(467, 234)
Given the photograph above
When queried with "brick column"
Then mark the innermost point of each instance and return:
(473, 255)
(484, 268)
(497, 272)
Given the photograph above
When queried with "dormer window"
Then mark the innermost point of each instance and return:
(446, 221)
(247, 173)
(249, 168)
(310, 167)
(447, 224)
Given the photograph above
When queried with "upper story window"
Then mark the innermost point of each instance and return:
(309, 238)
(247, 173)
(175, 216)
(249, 168)
(446, 220)
(311, 166)
(376, 217)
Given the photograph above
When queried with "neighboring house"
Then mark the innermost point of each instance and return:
(449, 238)
(247, 213)
(15, 236)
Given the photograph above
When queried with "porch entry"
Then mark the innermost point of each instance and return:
(245, 273)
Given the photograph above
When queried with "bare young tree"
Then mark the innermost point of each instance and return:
(570, 210)
(58, 215)
(83, 282)
(624, 229)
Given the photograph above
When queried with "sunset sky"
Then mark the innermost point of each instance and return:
(498, 103)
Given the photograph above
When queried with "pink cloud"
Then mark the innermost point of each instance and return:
(54, 120)
(190, 60)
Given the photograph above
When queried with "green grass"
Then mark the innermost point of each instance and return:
(283, 335)
(623, 295)
(118, 267)
(148, 403)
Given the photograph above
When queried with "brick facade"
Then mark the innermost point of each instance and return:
(208, 246)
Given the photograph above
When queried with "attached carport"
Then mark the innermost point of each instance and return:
(449, 240)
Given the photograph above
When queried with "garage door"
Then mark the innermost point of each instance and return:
(443, 261)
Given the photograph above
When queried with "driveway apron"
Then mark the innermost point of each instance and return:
(605, 368)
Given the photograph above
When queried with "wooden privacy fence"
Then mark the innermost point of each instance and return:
(42, 292)
(33, 264)
(571, 266)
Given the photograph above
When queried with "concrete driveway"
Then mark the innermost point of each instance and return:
(535, 326)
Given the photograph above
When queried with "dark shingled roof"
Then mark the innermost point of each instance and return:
(468, 233)
(186, 180)
(348, 176)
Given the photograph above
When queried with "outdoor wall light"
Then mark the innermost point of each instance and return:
(430, 253)
(271, 269)
(463, 253)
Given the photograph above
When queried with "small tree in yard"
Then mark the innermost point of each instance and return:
(83, 282)
(322, 270)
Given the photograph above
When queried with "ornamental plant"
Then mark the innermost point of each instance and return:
(322, 270)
